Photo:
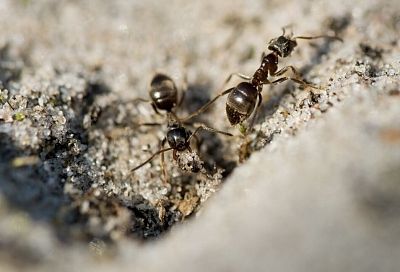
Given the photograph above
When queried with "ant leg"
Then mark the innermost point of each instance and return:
(172, 116)
(297, 77)
(155, 108)
(203, 126)
(150, 124)
(163, 169)
(10, 105)
(140, 100)
(301, 82)
(197, 142)
(251, 124)
(151, 158)
(205, 106)
(175, 155)
(285, 69)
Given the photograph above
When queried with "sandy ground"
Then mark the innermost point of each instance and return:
(314, 187)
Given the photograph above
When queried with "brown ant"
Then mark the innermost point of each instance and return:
(245, 98)
(164, 96)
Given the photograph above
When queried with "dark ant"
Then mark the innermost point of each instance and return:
(164, 96)
(242, 99)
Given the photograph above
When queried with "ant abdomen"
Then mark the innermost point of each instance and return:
(241, 102)
(163, 92)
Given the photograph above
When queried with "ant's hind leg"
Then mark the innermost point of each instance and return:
(203, 126)
(286, 69)
(301, 82)
(297, 77)
(253, 119)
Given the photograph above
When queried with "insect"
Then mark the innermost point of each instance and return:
(164, 96)
(245, 98)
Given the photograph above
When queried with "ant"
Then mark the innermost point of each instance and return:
(164, 96)
(245, 98)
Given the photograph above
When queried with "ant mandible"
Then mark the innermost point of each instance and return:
(164, 96)
(242, 99)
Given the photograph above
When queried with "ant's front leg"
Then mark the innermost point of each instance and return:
(163, 169)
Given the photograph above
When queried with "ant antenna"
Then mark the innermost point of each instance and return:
(151, 158)
(284, 29)
(317, 37)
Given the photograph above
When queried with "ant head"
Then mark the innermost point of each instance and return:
(178, 137)
(282, 46)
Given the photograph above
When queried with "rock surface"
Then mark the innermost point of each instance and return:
(320, 190)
